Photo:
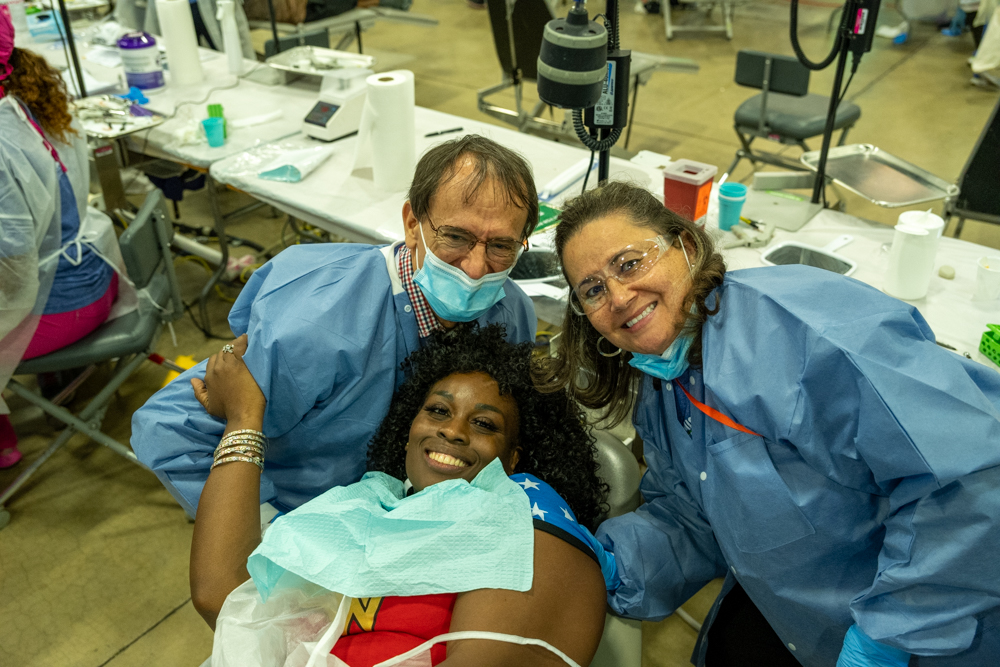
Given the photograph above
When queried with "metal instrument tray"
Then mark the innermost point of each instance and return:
(110, 117)
(318, 61)
(879, 177)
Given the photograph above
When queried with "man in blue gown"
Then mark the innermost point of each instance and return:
(329, 326)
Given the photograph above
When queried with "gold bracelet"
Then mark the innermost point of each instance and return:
(245, 437)
(241, 443)
(247, 431)
(239, 449)
(245, 459)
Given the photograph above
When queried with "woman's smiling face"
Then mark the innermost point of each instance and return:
(643, 316)
(463, 425)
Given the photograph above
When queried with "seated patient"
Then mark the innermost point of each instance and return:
(54, 287)
(467, 402)
(330, 324)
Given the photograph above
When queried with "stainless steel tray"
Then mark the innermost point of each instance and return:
(318, 61)
(879, 177)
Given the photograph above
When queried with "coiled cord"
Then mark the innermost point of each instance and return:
(793, 27)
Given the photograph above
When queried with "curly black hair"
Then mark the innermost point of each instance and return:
(555, 445)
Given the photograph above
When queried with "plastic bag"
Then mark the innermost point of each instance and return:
(251, 633)
(300, 624)
(294, 165)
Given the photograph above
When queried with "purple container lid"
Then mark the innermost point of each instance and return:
(136, 40)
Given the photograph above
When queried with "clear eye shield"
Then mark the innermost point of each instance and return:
(628, 265)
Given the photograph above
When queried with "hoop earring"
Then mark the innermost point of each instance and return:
(617, 351)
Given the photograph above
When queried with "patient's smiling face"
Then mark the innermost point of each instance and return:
(463, 424)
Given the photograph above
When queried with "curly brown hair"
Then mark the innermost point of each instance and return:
(40, 88)
(555, 446)
(608, 384)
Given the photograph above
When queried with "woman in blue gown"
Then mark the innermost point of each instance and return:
(806, 439)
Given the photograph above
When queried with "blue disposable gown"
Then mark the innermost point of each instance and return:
(328, 327)
(872, 494)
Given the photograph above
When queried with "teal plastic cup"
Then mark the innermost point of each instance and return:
(731, 198)
(215, 131)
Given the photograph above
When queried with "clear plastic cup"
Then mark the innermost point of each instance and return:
(731, 198)
(214, 131)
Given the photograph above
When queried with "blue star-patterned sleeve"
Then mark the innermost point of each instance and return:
(553, 515)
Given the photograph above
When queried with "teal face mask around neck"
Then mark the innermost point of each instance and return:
(368, 539)
(666, 366)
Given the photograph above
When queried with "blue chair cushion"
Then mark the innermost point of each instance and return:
(796, 117)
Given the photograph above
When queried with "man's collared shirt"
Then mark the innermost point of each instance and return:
(427, 321)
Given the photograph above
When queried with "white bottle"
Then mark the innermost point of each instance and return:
(226, 15)
(911, 262)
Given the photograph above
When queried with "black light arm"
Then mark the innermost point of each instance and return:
(74, 58)
(582, 70)
(274, 26)
(854, 35)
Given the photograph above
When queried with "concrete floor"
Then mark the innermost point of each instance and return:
(93, 567)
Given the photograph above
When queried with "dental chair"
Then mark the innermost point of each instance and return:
(621, 644)
(129, 340)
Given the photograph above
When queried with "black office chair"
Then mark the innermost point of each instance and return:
(978, 197)
(784, 111)
(517, 35)
(129, 339)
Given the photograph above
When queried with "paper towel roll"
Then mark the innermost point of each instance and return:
(177, 28)
(387, 139)
(929, 221)
(911, 262)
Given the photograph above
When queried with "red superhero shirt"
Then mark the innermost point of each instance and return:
(382, 628)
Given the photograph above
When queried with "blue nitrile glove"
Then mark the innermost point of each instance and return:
(860, 650)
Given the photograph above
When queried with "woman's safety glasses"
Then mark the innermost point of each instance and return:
(628, 265)
(452, 243)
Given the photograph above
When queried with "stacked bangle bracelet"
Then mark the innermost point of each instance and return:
(246, 445)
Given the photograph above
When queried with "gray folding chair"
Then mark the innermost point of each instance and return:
(784, 111)
(129, 339)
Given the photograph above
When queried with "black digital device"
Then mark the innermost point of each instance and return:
(862, 24)
(322, 113)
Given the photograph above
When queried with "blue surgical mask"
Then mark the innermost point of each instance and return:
(450, 291)
(669, 365)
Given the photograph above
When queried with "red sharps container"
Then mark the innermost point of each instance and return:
(687, 186)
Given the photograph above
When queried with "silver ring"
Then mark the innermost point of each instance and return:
(228, 348)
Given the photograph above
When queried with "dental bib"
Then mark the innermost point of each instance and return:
(369, 539)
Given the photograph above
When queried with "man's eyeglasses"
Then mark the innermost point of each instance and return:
(629, 264)
(452, 243)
